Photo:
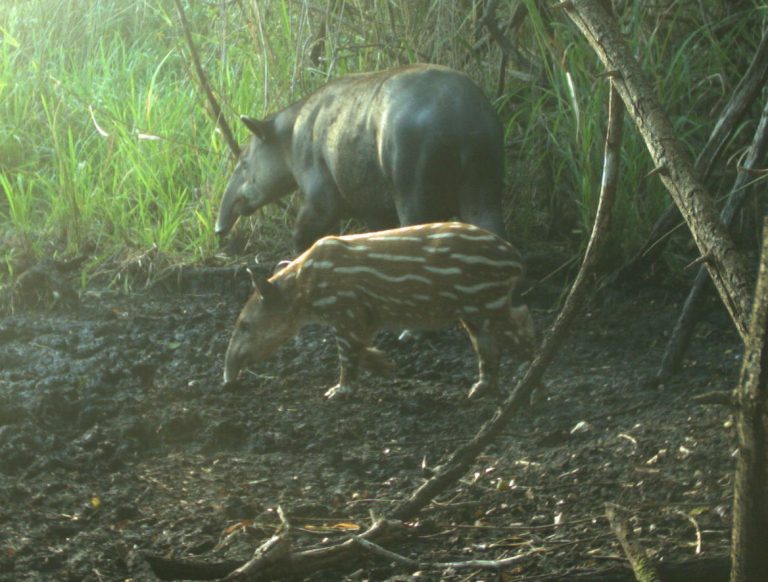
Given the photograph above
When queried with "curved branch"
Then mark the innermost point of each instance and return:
(459, 462)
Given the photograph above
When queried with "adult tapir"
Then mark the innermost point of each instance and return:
(406, 146)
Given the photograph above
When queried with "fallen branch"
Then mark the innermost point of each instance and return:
(636, 556)
(420, 565)
(185, 569)
(296, 563)
(276, 548)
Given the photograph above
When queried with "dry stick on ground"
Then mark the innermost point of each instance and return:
(749, 558)
(215, 110)
(715, 397)
(307, 561)
(681, 335)
(276, 548)
(638, 559)
(742, 98)
(419, 565)
(727, 267)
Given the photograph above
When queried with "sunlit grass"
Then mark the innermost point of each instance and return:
(106, 149)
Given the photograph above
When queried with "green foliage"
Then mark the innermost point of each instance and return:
(106, 148)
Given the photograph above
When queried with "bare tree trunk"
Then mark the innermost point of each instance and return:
(749, 547)
(725, 264)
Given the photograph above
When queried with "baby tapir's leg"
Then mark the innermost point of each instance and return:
(354, 353)
(375, 361)
(484, 340)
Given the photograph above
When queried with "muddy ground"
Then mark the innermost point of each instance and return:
(118, 438)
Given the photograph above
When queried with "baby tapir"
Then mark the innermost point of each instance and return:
(416, 277)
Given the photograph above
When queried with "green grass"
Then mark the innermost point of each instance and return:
(106, 150)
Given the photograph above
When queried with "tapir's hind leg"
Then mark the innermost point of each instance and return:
(488, 355)
(478, 195)
(488, 217)
(375, 361)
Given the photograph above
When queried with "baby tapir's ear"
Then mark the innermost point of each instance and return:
(270, 294)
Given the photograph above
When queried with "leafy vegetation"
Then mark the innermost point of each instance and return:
(107, 152)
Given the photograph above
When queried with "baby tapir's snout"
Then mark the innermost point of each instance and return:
(420, 277)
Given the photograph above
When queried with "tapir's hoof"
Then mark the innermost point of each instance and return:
(339, 392)
(232, 385)
(482, 388)
(407, 335)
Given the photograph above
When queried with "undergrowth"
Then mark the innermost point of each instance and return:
(107, 152)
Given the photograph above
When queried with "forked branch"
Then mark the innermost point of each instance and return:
(681, 335)
(741, 100)
(727, 267)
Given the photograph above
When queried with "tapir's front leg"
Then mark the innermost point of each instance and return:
(486, 347)
(353, 351)
(318, 216)
(349, 367)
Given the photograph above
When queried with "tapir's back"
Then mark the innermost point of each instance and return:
(419, 276)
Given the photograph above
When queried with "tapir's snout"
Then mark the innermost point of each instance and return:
(231, 368)
(229, 212)
(222, 230)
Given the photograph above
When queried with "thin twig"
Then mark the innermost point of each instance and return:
(695, 525)
(216, 113)
(741, 99)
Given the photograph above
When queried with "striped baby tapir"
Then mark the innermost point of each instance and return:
(416, 277)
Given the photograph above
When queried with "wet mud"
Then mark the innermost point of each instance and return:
(118, 438)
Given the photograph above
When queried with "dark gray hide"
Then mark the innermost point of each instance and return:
(417, 144)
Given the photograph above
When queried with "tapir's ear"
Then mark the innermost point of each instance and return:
(262, 129)
(270, 293)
